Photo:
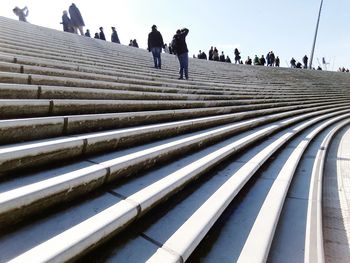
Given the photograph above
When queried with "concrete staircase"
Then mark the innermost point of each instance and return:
(104, 158)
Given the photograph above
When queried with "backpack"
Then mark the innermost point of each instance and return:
(173, 45)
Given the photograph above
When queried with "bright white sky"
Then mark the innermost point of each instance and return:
(254, 26)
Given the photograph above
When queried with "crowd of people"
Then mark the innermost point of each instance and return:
(74, 22)
(213, 54)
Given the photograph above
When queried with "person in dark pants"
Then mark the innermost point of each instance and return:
(77, 19)
(102, 35)
(114, 37)
(182, 51)
(155, 45)
(21, 13)
(305, 60)
(67, 23)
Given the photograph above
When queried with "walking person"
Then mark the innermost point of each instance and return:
(182, 51)
(277, 62)
(305, 60)
(77, 19)
(21, 13)
(102, 34)
(237, 55)
(66, 22)
(114, 37)
(155, 45)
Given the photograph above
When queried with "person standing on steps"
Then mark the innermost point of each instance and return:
(305, 60)
(155, 45)
(21, 13)
(114, 37)
(102, 34)
(67, 23)
(182, 51)
(87, 33)
(77, 19)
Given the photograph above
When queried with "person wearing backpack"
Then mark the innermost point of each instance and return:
(155, 45)
(182, 51)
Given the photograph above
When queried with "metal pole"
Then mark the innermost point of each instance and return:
(313, 46)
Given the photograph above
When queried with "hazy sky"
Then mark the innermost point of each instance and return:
(254, 26)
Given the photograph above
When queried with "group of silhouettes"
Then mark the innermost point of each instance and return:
(75, 22)
(213, 54)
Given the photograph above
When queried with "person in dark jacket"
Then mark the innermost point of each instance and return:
(134, 43)
(114, 37)
(102, 35)
(87, 33)
(155, 45)
(277, 62)
(182, 51)
(292, 63)
(305, 60)
(237, 55)
(210, 53)
(67, 23)
(97, 36)
(77, 19)
(222, 57)
(21, 13)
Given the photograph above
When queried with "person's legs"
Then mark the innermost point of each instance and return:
(81, 30)
(159, 51)
(156, 56)
(75, 28)
(185, 64)
(183, 59)
(154, 53)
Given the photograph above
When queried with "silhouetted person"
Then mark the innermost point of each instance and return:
(228, 60)
(268, 61)
(292, 63)
(170, 48)
(237, 56)
(262, 61)
(166, 49)
(182, 51)
(272, 59)
(102, 34)
(298, 65)
(211, 53)
(77, 19)
(21, 13)
(277, 62)
(114, 36)
(97, 36)
(134, 43)
(319, 68)
(130, 43)
(222, 57)
(305, 60)
(66, 23)
(248, 61)
(215, 54)
(256, 60)
(203, 55)
(155, 45)
(87, 33)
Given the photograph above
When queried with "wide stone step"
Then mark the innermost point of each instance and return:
(115, 217)
(38, 153)
(184, 241)
(17, 130)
